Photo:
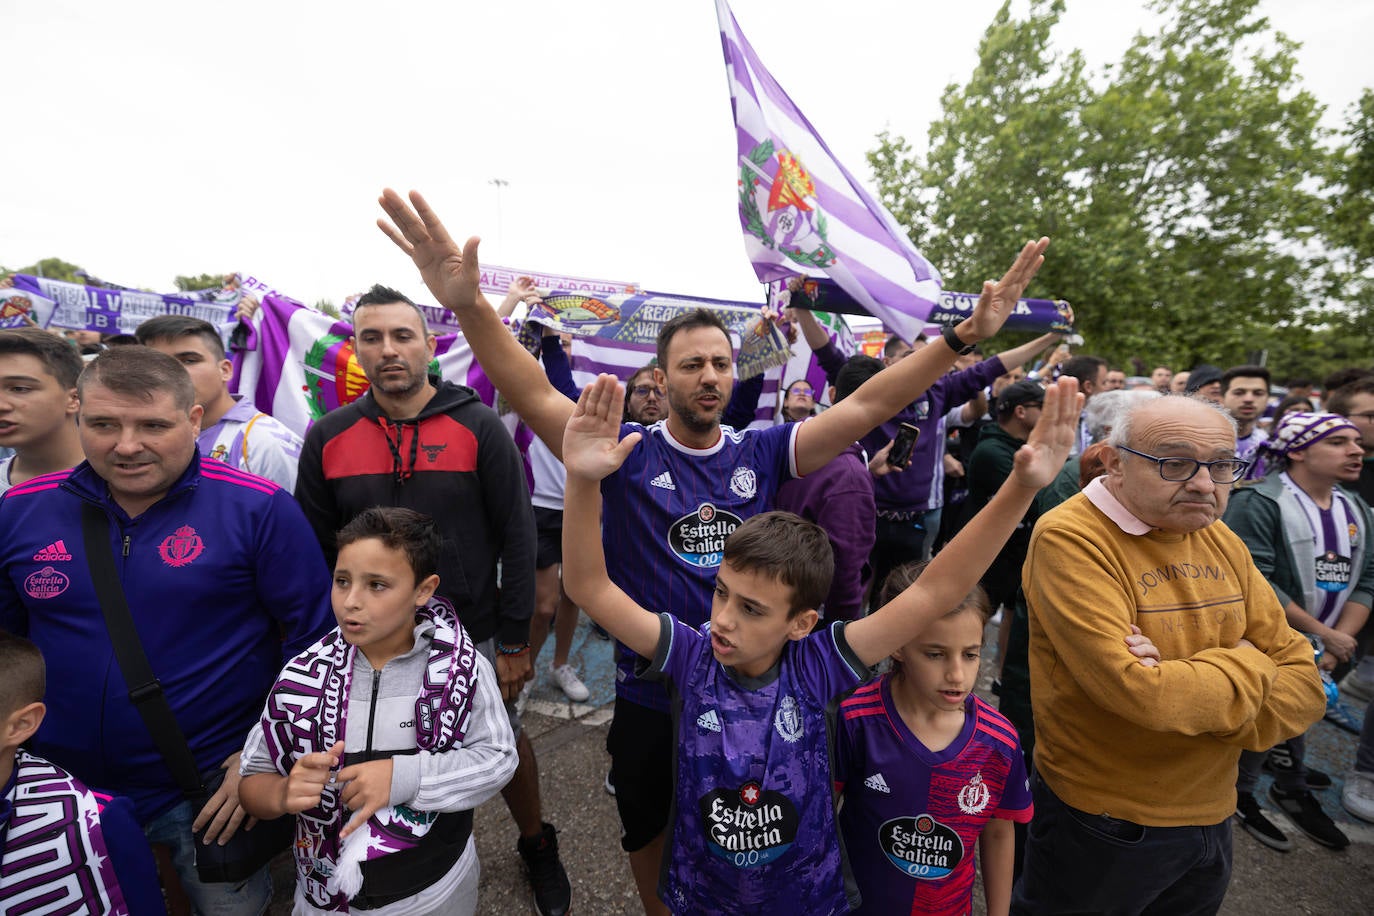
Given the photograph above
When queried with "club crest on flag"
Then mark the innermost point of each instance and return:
(778, 201)
(803, 212)
(333, 376)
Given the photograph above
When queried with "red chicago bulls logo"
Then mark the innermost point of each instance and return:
(182, 547)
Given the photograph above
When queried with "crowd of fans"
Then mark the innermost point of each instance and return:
(254, 642)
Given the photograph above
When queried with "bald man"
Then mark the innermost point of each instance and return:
(1157, 653)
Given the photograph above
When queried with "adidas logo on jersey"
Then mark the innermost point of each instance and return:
(878, 784)
(52, 553)
(709, 721)
(664, 480)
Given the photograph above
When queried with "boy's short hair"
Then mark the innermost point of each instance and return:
(58, 356)
(139, 372)
(172, 327)
(696, 318)
(790, 549)
(23, 676)
(413, 533)
(901, 578)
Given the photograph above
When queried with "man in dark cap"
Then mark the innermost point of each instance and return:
(1016, 411)
(1205, 382)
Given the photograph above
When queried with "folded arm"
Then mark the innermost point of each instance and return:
(1224, 691)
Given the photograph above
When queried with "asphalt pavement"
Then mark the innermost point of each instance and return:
(570, 743)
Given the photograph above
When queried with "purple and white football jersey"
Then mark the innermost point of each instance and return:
(753, 829)
(911, 817)
(669, 509)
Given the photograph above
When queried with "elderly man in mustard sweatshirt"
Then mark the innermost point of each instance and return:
(1157, 653)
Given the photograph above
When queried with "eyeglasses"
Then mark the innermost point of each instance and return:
(1368, 416)
(802, 389)
(1178, 470)
(643, 391)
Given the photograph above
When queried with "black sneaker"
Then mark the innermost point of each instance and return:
(1252, 818)
(1317, 781)
(552, 892)
(1306, 813)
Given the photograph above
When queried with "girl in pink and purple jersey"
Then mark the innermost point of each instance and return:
(926, 768)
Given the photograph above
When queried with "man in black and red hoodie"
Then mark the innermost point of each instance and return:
(417, 441)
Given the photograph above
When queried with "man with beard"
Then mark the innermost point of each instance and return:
(1245, 392)
(1161, 378)
(645, 399)
(686, 485)
(419, 442)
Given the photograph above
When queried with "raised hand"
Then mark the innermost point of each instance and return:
(450, 272)
(592, 447)
(521, 289)
(998, 300)
(1044, 454)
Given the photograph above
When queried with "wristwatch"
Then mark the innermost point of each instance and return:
(955, 344)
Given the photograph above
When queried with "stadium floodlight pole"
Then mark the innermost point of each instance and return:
(499, 183)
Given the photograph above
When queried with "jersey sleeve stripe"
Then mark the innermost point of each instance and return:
(40, 483)
(867, 693)
(229, 470)
(244, 480)
(792, 449)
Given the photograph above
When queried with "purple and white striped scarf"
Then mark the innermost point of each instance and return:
(55, 859)
(307, 713)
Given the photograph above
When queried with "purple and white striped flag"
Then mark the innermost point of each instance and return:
(803, 212)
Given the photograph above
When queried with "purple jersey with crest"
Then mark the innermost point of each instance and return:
(753, 829)
(911, 816)
(668, 511)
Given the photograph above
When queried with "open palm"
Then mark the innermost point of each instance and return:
(592, 447)
(450, 272)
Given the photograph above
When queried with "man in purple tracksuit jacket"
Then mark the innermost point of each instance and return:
(224, 580)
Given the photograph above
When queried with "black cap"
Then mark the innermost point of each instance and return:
(1204, 374)
(1017, 393)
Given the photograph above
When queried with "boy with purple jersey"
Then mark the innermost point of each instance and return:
(753, 828)
(925, 768)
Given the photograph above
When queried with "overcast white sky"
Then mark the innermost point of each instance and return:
(149, 139)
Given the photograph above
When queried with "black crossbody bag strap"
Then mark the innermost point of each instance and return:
(145, 691)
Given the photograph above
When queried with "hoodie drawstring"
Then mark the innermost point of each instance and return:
(403, 469)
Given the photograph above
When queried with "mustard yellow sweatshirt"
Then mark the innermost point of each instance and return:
(1155, 746)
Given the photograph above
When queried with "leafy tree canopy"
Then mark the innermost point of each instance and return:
(1199, 211)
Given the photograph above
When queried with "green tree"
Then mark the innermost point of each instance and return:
(200, 281)
(1183, 185)
(53, 268)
